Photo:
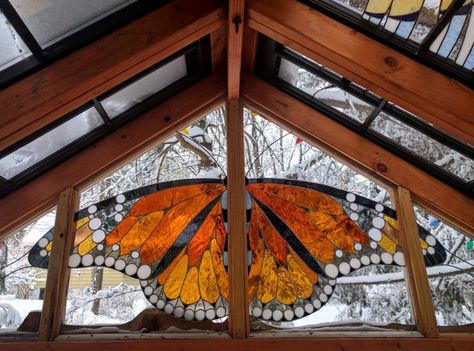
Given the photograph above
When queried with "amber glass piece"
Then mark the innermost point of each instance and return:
(49, 246)
(190, 291)
(301, 283)
(268, 280)
(303, 197)
(352, 229)
(297, 219)
(255, 269)
(166, 273)
(273, 239)
(387, 244)
(392, 221)
(221, 273)
(86, 246)
(82, 233)
(254, 232)
(423, 244)
(121, 230)
(285, 292)
(200, 241)
(171, 226)
(220, 233)
(171, 197)
(137, 235)
(174, 283)
(207, 279)
(333, 230)
(312, 275)
(82, 221)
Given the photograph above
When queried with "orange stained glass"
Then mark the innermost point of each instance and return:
(207, 279)
(301, 282)
(285, 292)
(171, 197)
(221, 273)
(121, 230)
(200, 241)
(352, 229)
(312, 275)
(190, 290)
(140, 232)
(255, 269)
(254, 232)
(82, 232)
(303, 197)
(268, 280)
(298, 221)
(220, 234)
(273, 239)
(166, 273)
(174, 283)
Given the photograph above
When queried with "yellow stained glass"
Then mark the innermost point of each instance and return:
(190, 291)
(207, 279)
(174, 283)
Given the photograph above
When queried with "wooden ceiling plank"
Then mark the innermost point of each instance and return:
(446, 202)
(439, 100)
(47, 95)
(234, 47)
(101, 157)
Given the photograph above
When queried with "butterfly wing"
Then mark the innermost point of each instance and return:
(171, 236)
(304, 235)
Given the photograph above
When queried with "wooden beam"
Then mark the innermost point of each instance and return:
(67, 84)
(238, 305)
(446, 202)
(249, 49)
(99, 158)
(420, 291)
(58, 273)
(444, 102)
(234, 47)
(461, 343)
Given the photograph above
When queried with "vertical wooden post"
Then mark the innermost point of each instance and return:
(420, 291)
(238, 306)
(58, 271)
(234, 47)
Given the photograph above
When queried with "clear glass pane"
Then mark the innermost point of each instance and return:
(144, 87)
(452, 282)
(47, 144)
(325, 92)
(424, 146)
(52, 20)
(13, 49)
(21, 285)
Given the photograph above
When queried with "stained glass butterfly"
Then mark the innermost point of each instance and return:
(172, 237)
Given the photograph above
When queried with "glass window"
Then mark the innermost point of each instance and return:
(144, 87)
(52, 20)
(13, 48)
(50, 142)
(319, 89)
(424, 146)
(21, 285)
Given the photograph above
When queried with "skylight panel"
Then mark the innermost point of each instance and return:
(13, 49)
(47, 144)
(52, 20)
(144, 87)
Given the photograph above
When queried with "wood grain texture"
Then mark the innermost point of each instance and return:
(58, 272)
(111, 151)
(420, 291)
(238, 305)
(67, 84)
(444, 102)
(446, 202)
(249, 49)
(234, 47)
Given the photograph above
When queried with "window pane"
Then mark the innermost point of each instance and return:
(47, 144)
(424, 146)
(325, 92)
(52, 20)
(144, 87)
(13, 49)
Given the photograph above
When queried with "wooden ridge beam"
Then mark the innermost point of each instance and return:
(234, 47)
(47, 95)
(439, 100)
(100, 158)
(448, 203)
(270, 344)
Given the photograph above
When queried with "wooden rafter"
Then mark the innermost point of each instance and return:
(444, 102)
(69, 83)
(100, 158)
(235, 27)
(446, 202)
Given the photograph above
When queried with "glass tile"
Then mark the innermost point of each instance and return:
(47, 144)
(325, 92)
(144, 87)
(52, 20)
(424, 146)
(13, 48)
